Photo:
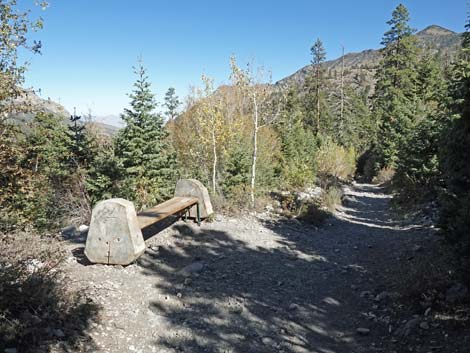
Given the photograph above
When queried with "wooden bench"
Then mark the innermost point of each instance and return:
(168, 208)
(115, 233)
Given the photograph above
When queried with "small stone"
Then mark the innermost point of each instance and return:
(83, 228)
(68, 232)
(193, 268)
(424, 325)
(179, 295)
(408, 327)
(417, 248)
(267, 341)
(382, 296)
(10, 350)
(293, 307)
(362, 331)
(58, 333)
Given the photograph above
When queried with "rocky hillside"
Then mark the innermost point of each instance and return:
(30, 104)
(360, 67)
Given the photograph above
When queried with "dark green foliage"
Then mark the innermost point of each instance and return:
(171, 104)
(48, 144)
(357, 128)
(104, 172)
(38, 176)
(48, 157)
(16, 190)
(80, 144)
(237, 168)
(395, 97)
(142, 149)
(298, 145)
(417, 175)
(455, 210)
(315, 102)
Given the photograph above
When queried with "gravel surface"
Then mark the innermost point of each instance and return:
(260, 284)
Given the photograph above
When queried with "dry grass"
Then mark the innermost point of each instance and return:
(335, 161)
(384, 176)
(332, 198)
(35, 298)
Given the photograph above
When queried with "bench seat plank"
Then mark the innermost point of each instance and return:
(165, 209)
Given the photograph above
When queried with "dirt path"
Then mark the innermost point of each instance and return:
(247, 285)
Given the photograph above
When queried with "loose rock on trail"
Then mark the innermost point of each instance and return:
(262, 285)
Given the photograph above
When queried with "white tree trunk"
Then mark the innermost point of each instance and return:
(318, 98)
(342, 87)
(255, 150)
(214, 163)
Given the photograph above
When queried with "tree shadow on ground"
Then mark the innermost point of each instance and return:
(293, 291)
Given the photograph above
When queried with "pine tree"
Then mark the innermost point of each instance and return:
(48, 145)
(80, 152)
(142, 148)
(171, 104)
(455, 209)
(395, 97)
(316, 101)
(417, 175)
(298, 143)
(104, 173)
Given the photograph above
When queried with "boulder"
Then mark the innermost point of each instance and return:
(114, 236)
(194, 188)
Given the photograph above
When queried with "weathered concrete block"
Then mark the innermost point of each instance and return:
(114, 236)
(194, 188)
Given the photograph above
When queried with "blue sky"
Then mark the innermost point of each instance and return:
(90, 46)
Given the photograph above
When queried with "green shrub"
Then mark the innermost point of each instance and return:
(313, 213)
(366, 167)
(454, 158)
(455, 197)
(417, 174)
(334, 161)
(299, 148)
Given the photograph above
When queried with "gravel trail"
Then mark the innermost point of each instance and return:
(256, 285)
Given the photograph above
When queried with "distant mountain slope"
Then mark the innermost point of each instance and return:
(33, 104)
(360, 67)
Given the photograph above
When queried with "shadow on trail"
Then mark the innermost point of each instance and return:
(294, 291)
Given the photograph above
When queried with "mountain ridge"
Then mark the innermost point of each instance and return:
(439, 40)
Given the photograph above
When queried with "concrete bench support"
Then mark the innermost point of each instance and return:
(194, 188)
(115, 235)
